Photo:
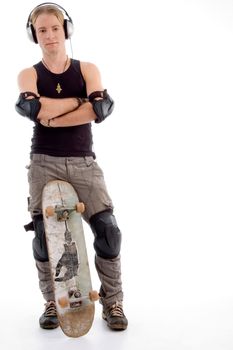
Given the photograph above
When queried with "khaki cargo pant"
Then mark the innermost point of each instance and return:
(87, 179)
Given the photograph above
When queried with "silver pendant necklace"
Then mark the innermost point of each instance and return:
(58, 87)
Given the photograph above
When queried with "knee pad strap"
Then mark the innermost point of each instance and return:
(39, 245)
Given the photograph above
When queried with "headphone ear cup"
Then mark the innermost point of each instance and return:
(31, 33)
(68, 28)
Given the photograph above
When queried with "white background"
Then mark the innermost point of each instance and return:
(167, 156)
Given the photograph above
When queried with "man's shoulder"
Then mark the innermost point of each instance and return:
(88, 65)
(29, 71)
(88, 68)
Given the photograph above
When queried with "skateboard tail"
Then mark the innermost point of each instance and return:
(71, 327)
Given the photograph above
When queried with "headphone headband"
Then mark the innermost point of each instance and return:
(68, 23)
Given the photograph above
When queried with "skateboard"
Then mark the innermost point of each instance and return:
(68, 258)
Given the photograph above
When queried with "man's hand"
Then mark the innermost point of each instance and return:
(46, 123)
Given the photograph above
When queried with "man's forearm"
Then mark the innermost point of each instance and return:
(53, 107)
(82, 115)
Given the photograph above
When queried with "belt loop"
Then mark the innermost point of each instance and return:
(88, 160)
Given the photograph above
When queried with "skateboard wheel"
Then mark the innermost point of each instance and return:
(93, 295)
(63, 302)
(80, 207)
(49, 211)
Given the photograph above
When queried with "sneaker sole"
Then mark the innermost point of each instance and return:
(49, 327)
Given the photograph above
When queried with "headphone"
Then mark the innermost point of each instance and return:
(68, 23)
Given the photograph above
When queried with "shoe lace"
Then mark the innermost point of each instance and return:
(117, 310)
(50, 309)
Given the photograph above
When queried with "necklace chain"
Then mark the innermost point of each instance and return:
(46, 65)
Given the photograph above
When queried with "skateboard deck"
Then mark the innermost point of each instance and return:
(68, 258)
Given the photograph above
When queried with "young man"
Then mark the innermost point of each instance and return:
(62, 96)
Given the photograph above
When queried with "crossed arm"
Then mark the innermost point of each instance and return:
(71, 113)
(66, 111)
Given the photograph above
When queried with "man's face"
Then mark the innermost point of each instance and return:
(49, 32)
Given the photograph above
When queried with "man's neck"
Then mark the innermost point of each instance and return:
(56, 63)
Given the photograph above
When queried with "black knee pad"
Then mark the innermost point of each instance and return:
(107, 241)
(39, 245)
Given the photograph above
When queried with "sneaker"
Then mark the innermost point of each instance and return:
(49, 318)
(115, 317)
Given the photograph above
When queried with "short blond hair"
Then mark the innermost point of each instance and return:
(49, 9)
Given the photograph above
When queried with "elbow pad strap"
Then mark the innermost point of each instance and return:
(28, 107)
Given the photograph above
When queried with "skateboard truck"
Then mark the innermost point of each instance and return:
(64, 212)
(69, 301)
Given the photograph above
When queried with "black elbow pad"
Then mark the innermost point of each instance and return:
(102, 107)
(28, 107)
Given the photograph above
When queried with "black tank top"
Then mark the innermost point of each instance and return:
(75, 141)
